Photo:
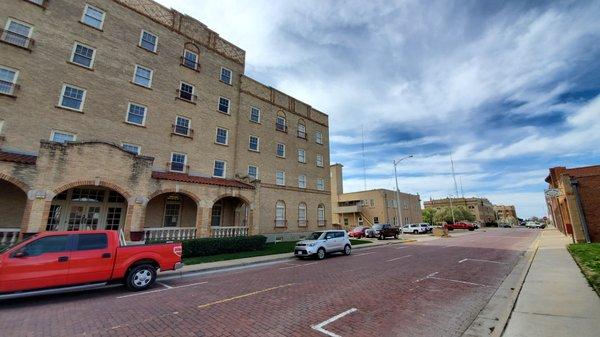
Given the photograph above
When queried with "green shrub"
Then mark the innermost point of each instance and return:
(214, 246)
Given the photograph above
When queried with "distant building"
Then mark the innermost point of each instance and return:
(366, 208)
(573, 201)
(481, 208)
(505, 212)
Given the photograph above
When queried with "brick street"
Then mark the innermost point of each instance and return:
(432, 288)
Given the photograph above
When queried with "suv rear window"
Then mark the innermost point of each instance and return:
(92, 241)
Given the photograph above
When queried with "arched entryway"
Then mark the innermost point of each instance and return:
(170, 216)
(87, 208)
(230, 217)
(12, 206)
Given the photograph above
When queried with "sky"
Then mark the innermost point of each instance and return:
(507, 89)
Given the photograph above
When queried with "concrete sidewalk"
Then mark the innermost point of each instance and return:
(556, 299)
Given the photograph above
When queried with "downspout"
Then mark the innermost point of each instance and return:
(586, 233)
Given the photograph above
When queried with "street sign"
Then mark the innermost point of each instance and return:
(552, 192)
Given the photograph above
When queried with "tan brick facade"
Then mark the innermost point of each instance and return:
(31, 112)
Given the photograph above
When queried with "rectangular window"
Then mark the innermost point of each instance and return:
(172, 210)
(93, 17)
(252, 172)
(302, 131)
(186, 92)
(62, 137)
(224, 105)
(280, 178)
(280, 150)
(83, 55)
(8, 80)
(219, 170)
(148, 41)
(190, 59)
(135, 149)
(280, 124)
(320, 160)
(92, 241)
(255, 115)
(225, 75)
(143, 76)
(17, 33)
(254, 144)
(301, 156)
(136, 114)
(72, 97)
(320, 184)
(318, 137)
(302, 181)
(222, 136)
(178, 161)
(182, 126)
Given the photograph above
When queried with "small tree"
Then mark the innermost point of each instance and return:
(445, 214)
(428, 215)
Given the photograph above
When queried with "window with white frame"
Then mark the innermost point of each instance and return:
(280, 220)
(254, 144)
(280, 124)
(302, 214)
(142, 76)
(320, 160)
(219, 169)
(148, 41)
(280, 152)
(301, 156)
(182, 126)
(190, 59)
(318, 137)
(72, 97)
(280, 178)
(252, 172)
(254, 114)
(17, 33)
(321, 215)
(83, 55)
(8, 80)
(62, 136)
(222, 136)
(93, 16)
(186, 92)
(301, 130)
(136, 114)
(178, 162)
(226, 75)
(135, 149)
(320, 184)
(224, 105)
(302, 181)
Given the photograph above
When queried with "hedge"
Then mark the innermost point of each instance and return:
(214, 246)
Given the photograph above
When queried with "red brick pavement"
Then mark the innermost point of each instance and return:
(270, 301)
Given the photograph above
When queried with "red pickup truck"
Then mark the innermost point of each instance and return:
(53, 262)
(460, 225)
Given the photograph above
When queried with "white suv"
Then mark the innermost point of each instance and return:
(324, 242)
(414, 228)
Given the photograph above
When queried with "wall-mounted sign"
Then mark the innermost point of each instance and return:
(552, 192)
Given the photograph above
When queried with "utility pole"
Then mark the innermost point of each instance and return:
(398, 210)
(454, 176)
(362, 132)
(452, 210)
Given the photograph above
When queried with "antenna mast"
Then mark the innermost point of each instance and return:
(362, 131)
(454, 176)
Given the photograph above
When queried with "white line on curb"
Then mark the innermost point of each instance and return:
(159, 290)
(397, 258)
(319, 327)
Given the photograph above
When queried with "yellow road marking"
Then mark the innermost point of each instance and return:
(244, 295)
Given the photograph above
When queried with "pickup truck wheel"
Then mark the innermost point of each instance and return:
(381, 237)
(321, 253)
(347, 250)
(396, 236)
(141, 277)
(415, 232)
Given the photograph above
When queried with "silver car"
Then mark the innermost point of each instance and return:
(321, 243)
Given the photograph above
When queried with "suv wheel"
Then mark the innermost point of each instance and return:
(347, 250)
(141, 277)
(415, 232)
(321, 253)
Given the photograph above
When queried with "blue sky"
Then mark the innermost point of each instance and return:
(508, 88)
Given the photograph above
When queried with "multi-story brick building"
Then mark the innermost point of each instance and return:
(366, 208)
(504, 212)
(481, 208)
(125, 114)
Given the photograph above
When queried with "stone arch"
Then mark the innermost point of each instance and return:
(14, 208)
(225, 195)
(103, 183)
(192, 195)
(171, 208)
(24, 187)
(230, 211)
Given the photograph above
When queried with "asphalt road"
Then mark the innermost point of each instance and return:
(433, 288)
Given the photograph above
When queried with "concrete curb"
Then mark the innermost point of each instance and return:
(492, 319)
(170, 275)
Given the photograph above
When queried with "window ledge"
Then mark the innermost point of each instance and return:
(253, 122)
(150, 51)
(279, 157)
(15, 45)
(134, 124)
(229, 84)
(255, 151)
(79, 65)
(181, 135)
(69, 109)
(141, 86)
(221, 144)
(8, 95)
(96, 28)
(185, 100)
(224, 113)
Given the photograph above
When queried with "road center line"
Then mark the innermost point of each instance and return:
(319, 327)
(244, 295)
(159, 290)
(298, 265)
(490, 261)
(398, 258)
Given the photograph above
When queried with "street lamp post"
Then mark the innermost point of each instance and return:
(398, 211)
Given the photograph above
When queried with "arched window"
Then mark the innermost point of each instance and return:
(301, 129)
(302, 222)
(281, 122)
(321, 215)
(190, 57)
(280, 220)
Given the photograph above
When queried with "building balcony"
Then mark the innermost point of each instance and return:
(169, 233)
(348, 209)
(9, 236)
(227, 232)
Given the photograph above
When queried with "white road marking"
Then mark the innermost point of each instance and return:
(397, 258)
(402, 247)
(457, 281)
(298, 265)
(426, 277)
(319, 327)
(364, 254)
(159, 290)
(490, 261)
(165, 285)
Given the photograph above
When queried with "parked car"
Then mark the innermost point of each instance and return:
(427, 226)
(535, 225)
(460, 225)
(414, 229)
(358, 232)
(321, 243)
(52, 262)
(386, 231)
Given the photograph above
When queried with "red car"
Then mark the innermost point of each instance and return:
(358, 232)
(460, 225)
(81, 260)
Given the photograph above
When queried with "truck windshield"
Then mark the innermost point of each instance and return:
(314, 236)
